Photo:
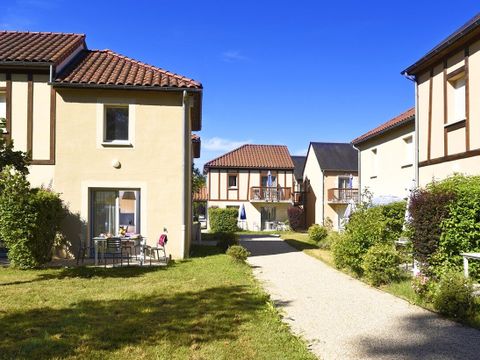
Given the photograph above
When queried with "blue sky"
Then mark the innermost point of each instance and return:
(274, 72)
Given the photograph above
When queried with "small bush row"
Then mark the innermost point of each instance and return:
(238, 253)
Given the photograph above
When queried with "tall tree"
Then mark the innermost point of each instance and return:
(198, 179)
(8, 156)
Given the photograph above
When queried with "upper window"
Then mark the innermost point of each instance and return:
(3, 113)
(459, 98)
(374, 162)
(456, 97)
(116, 124)
(344, 182)
(409, 153)
(232, 181)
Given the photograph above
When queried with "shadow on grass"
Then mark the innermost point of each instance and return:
(91, 272)
(180, 320)
(199, 251)
(423, 336)
(300, 245)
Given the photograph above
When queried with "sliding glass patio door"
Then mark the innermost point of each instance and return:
(112, 209)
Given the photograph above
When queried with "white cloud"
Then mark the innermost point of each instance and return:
(233, 56)
(218, 144)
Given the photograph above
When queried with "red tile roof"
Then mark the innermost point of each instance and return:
(16, 46)
(254, 156)
(201, 195)
(401, 119)
(107, 68)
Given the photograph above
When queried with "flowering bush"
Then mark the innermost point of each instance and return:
(424, 287)
(295, 217)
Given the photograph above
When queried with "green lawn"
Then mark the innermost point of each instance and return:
(207, 307)
(300, 241)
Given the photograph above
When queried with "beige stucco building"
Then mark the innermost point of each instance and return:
(447, 82)
(241, 177)
(112, 135)
(387, 158)
(331, 182)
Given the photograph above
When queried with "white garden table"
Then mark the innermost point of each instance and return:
(466, 256)
(101, 242)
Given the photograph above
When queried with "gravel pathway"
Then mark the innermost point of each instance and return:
(342, 318)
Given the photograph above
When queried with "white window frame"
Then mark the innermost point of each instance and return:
(102, 105)
(236, 181)
(4, 94)
(374, 153)
(458, 99)
(409, 150)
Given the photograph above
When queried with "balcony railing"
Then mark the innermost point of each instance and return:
(342, 195)
(270, 194)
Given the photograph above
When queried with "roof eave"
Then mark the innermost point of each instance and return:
(125, 87)
(248, 167)
(444, 48)
(381, 132)
(24, 64)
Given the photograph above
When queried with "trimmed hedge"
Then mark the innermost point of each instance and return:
(223, 220)
(29, 220)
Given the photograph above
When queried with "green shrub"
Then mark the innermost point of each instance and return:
(394, 213)
(454, 295)
(381, 264)
(445, 223)
(461, 228)
(340, 250)
(327, 243)
(367, 227)
(317, 233)
(223, 220)
(29, 220)
(225, 240)
(238, 253)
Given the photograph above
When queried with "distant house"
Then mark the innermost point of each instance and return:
(299, 186)
(111, 134)
(387, 157)
(331, 182)
(447, 81)
(259, 177)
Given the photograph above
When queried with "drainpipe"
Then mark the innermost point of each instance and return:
(417, 155)
(184, 173)
(51, 74)
(417, 170)
(323, 198)
(359, 164)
